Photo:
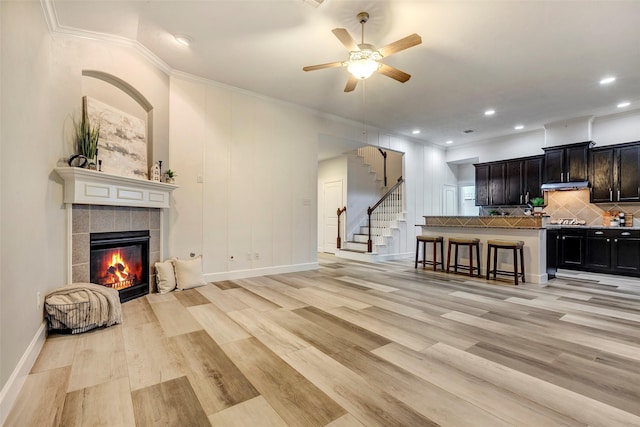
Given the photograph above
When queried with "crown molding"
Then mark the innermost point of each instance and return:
(51, 17)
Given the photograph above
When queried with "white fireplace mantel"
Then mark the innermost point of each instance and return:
(88, 187)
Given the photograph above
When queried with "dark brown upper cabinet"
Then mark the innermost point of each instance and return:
(615, 173)
(566, 163)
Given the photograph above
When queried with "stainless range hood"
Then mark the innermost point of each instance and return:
(563, 186)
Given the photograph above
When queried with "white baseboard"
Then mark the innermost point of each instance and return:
(14, 384)
(243, 274)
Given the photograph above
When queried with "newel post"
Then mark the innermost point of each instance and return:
(339, 241)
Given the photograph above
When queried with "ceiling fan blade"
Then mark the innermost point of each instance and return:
(351, 84)
(346, 39)
(400, 45)
(322, 66)
(394, 73)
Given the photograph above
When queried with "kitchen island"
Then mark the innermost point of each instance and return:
(529, 229)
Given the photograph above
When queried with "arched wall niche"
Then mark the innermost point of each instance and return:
(118, 93)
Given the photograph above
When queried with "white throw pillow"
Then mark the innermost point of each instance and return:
(165, 276)
(189, 273)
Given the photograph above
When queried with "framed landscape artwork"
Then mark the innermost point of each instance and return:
(122, 146)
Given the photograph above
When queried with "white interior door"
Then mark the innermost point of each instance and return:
(332, 201)
(449, 200)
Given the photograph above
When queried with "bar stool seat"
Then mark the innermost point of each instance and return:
(430, 239)
(514, 245)
(471, 243)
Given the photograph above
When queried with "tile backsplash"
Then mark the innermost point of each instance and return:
(575, 204)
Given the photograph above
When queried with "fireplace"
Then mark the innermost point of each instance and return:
(120, 260)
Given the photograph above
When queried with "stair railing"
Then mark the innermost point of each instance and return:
(391, 204)
(339, 241)
(384, 161)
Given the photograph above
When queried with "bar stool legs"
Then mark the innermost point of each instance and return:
(471, 243)
(515, 246)
(434, 240)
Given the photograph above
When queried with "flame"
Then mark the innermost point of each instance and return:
(118, 269)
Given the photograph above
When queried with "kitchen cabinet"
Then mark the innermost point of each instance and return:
(598, 254)
(510, 182)
(600, 250)
(628, 173)
(615, 173)
(601, 175)
(490, 184)
(571, 248)
(626, 252)
(482, 185)
(523, 180)
(566, 163)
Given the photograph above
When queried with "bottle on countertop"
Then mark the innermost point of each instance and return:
(622, 219)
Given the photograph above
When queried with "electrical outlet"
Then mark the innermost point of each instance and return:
(248, 256)
(200, 179)
(38, 300)
(256, 255)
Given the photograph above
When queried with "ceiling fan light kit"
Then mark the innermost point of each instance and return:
(365, 59)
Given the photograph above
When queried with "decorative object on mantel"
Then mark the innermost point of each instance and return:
(170, 176)
(123, 139)
(154, 172)
(86, 139)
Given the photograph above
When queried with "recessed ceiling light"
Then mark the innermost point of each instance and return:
(449, 142)
(183, 40)
(607, 80)
(416, 131)
(624, 104)
(489, 112)
(518, 127)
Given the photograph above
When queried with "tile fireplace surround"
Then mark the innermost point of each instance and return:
(88, 219)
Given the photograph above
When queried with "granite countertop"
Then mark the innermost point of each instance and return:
(507, 221)
(587, 227)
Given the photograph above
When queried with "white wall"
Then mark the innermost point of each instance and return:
(41, 86)
(605, 130)
(616, 128)
(363, 191)
(501, 148)
(258, 161)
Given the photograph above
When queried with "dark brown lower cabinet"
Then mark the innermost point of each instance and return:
(613, 251)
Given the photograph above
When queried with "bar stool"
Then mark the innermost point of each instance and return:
(471, 243)
(432, 239)
(515, 246)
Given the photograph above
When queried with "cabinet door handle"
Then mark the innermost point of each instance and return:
(618, 194)
(615, 240)
(626, 233)
(526, 198)
(610, 194)
(561, 176)
(599, 232)
(568, 179)
(521, 199)
(608, 240)
(563, 237)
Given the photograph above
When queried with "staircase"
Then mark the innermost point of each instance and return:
(386, 219)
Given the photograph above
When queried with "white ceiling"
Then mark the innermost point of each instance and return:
(534, 62)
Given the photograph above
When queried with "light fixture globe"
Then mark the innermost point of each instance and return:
(364, 62)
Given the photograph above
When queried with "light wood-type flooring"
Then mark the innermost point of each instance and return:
(351, 344)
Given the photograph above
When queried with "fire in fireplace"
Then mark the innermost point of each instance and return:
(120, 260)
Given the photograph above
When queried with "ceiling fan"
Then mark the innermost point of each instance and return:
(364, 58)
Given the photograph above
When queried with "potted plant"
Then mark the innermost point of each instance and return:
(538, 204)
(170, 176)
(87, 137)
